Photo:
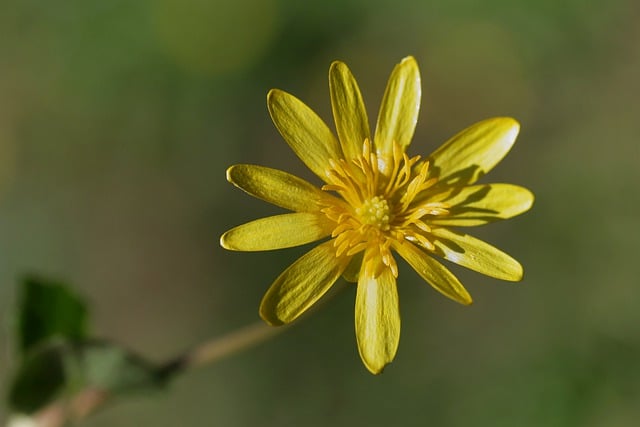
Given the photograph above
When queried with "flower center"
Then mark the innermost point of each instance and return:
(383, 201)
(376, 212)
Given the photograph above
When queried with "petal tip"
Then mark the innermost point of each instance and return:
(272, 93)
(375, 370)
(512, 124)
(515, 275)
(337, 64)
(508, 125)
(520, 275)
(529, 199)
(375, 367)
(230, 172)
(223, 241)
(511, 121)
(227, 241)
(269, 316)
(408, 59)
(272, 98)
(462, 297)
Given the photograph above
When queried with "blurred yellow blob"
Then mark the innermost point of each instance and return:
(215, 37)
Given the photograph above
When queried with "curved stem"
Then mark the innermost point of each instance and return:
(218, 348)
(231, 343)
(90, 400)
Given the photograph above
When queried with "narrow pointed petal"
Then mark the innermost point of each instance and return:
(349, 111)
(399, 109)
(302, 284)
(436, 274)
(475, 151)
(278, 232)
(277, 187)
(305, 132)
(476, 255)
(377, 319)
(480, 204)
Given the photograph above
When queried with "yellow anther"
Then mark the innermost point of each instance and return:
(376, 212)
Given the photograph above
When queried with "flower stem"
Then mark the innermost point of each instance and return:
(87, 402)
(218, 348)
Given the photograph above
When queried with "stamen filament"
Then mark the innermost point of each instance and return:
(380, 205)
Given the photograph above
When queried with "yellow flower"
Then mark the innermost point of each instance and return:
(376, 200)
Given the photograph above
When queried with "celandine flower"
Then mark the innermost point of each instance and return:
(376, 200)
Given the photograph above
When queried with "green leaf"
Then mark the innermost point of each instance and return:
(113, 368)
(58, 360)
(49, 309)
(39, 380)
(59, 368)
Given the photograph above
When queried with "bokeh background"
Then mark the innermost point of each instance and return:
(118, 120)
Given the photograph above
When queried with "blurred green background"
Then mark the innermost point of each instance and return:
(118, 120)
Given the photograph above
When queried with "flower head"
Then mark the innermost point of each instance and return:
(376, 201)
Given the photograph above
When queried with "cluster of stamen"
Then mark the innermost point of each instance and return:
(375, 212)
(382, 203)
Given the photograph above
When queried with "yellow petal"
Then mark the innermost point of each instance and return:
(302, 284)
(399, 109)
(349, 111)
(475, 151)
(377, 319)
(305, 132)
(436, 274)
(480, 204)
(476, 255)
(277, 232)
(352, 271)
(277, 187)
